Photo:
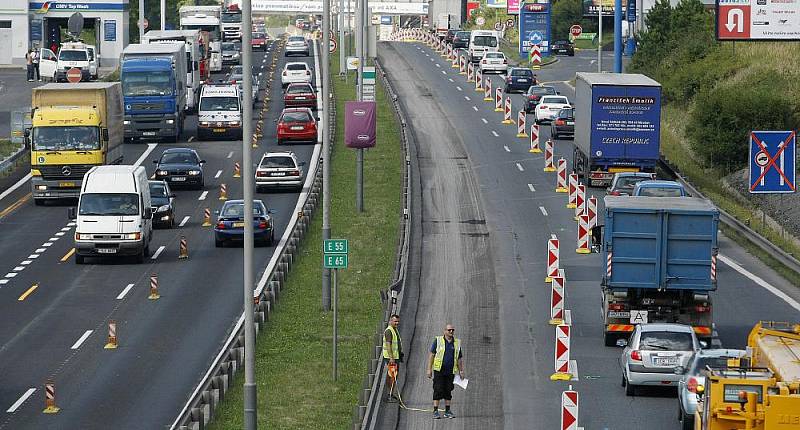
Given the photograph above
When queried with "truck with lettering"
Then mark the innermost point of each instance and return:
(617, 125)
(74, 127)
(232, 22)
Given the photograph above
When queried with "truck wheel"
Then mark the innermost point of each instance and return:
(609, 339)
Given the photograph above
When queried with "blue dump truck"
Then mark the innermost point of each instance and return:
(617, 125)
(153, 80)
(660, 258)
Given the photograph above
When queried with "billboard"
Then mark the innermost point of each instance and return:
(590, 7)
(534, 28)
(471, 7)
(360, 123)
(758, 20)
(512, 7)
(496, 4)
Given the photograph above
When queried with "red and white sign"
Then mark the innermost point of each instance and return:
(569, 410)
(562, 350)
(557, 298)
(575, 30)
(472, 6)
(591, 210)
(573, 190)
(733, 22)
(580, 201)
(535, 139)
(758, 20)
(74, 75)
(536, 55)
(548, 156)
(552, 259)
(561, 176)
(584, 242)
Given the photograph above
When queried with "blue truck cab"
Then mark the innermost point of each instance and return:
(660, 263)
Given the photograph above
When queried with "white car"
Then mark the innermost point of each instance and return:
(494, 62)
(295, 73)
(549, 106)
(279, 170)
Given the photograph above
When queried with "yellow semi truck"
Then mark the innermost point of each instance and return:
(760, 391)
(74, 127)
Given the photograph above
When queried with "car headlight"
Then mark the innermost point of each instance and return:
(81, 236)
(162, 173)
(126, 122)
(162, 208)
(194, 172)
(170, 121)
(132, 236)
(236, 55)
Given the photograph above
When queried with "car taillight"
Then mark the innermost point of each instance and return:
(263, 224)
(308, 72)
(636, 355)
(483, 61)
(543, 106)
(284, 73)
(221, 225)
(616, 307)
(261, 174)
(533, 97)
(701, 308)
(505, 61)
(691, 384)
(615, 193)
(294, 173)
(559, 122)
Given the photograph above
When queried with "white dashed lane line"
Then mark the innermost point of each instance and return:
(124, 292)
(484, 121)
(466, 98)
(21, 400)
(519, 167)
(184, 221)
(203, 195)
(230, 154)
(26, 262)
(19, 268)
(459, 88)
(34, 256)
(47, 244)
(530, 187)
(158, 252)
(219, 173)
(494, 133)
(544, 211)
(475, 108)
(450, 79)
(506, 148)
(81, 339)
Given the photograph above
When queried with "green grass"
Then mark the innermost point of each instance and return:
(7, 148)
(293, 354)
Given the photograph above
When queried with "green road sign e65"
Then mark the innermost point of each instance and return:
(335, 246)
(334, 261)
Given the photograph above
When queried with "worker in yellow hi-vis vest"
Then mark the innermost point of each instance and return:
(392, 352)
(445, 361)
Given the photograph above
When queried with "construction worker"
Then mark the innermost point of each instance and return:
(445, 361)
(392, 352)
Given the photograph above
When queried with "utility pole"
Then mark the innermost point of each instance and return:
(141, 20)
(600, 37)
(250, 391)
(163, 14)
(362, 58)
(326, 149)
(618, 36)
(342, 50)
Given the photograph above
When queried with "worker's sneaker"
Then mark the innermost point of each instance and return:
(449, 414)
(436, 415)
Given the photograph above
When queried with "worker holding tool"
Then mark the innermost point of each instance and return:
(445, 361)
(392, 352)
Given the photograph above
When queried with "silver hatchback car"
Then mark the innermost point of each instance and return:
(693, 375)
(653, 352)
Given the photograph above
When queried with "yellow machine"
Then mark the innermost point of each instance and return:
(74, 127)
(760, 391)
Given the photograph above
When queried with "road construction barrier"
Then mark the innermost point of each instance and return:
(562, 372)
(573, 190)
(580, 201)
(487, 90)
(462, 66)
(507, 112)
(470, 73)
(498, 99)
(569, 410)
(154, 295)
(561, 176)
(536, 57)
(184, 249)
(206, 217)
(535, 139)
(255, 141)
(584, 242)
(112, 335)
(237, 170)
(591, 210)
(552, 259)
(455, 59)
(557, 299)
(223, 192)
(521, 115)
(479, 80)
(548, 156)
(50, 398)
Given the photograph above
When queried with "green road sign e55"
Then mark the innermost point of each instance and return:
(335, 246)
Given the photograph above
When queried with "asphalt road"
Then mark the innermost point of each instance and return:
(488, 279)
(166, 345)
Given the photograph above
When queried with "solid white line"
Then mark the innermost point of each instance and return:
(519, 167)
(450, 79)
(530, 187)
(230, 154)
(185, 220)
(14, 187)
(484, 121)
(124, 292)
(219, 172)
(22, 399)
(19, 268)
(506, 148)
(459, 88)
(203, 195)
(81, 339)
(26, 262)
(475, 108)
(158, 252)
(764, 284)
(495, 133)
(150, 148)
(544, 211)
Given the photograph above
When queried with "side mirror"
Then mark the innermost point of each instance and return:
(105, 134)
(72, 213)
(147, 213)
(622, 342)
(155, 161)
(703, 344)
(27, 132)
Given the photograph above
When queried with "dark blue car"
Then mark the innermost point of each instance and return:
(519, 79)
(231, 219)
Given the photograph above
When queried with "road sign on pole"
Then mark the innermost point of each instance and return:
(772, 161)
(335, 253)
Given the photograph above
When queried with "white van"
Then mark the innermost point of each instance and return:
(75, 55)
(114, 215)
(220, 112)
(481, 42)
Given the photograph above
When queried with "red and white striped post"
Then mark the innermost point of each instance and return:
(521, 115)
(206, 217)
(610, 257)
(552, 259)
(50, 398)
(462, 66)
(154, 287)
(713, 266)
(536, 57)
(548, 156)
(183, 250)
(569, 409)
(498, 99)
(573, 190)
(561, 176)
(557, 299)
(535, 139)
(487, 90)
(237, 170)
(223, 192)
(112, 335)
(470, 73)
(507, 112)
(584, 241)
(591, 210)
(580, 201)
(454, 59)
(479, 80)
(562, 372)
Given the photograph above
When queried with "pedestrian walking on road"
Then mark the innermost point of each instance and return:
(35, 55)
(29, 64)
(392, 352)
(445, 361)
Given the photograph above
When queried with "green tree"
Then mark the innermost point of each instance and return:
(565, 14)
(654, 42)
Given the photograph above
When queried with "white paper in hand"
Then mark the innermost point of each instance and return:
(461, 382)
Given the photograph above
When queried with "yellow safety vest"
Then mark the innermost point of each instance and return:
(391, 350)
(439, 357)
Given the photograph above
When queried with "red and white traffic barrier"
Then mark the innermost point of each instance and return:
(713, 266)
(206, 217)
(552, 259)
(573, 190)
(548, 156)
(584, 242)
(470, 73)
(562, 372)
(223, 192)
(521, 116)
(569, 410)
(610, 256)
(112, 335)
(535, 138)
(557, 299)
(561, 176)
(455, 59)
(154, 287)
(478, 80)
(50, 398)
(580, 201)
(507, 112)
(591, 210)
(498, 99)
(487, 90)
(536, 57)
(462, 66)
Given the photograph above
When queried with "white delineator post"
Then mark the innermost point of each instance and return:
(498, 99)
(552, 259)
(584, 242)
(569, 409)
(573, 190)
(561, 176)
(591, 210)
(507, 112)
(548, 156)
(535, 139)
(557, 299)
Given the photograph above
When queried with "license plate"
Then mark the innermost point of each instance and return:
(278, 173)
(66, 184)
(523, 80)
(178, 178)
(238, 224)
(665, 361)
(296, 127)
(106, 250)
(148, 133)
(619, 314)
(299, 98)
(219, 130)
(570, 122)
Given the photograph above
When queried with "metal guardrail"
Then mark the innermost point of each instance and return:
(729, 220)
(6, 163)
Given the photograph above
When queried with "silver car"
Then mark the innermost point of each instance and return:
(693, 375)
(653, 352)
(279, 170)
(297, 45)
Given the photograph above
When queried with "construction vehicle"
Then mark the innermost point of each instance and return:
(760, 391)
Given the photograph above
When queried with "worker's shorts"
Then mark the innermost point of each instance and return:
(442, 385)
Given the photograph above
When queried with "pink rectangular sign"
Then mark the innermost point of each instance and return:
(512, 7)
(360, 122)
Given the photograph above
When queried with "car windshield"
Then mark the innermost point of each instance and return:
(158, 193)
(490, 41)
(178, 158)
(521, 72)
(71, 55)
(109, 204)
(462, 34)
(278, 162)
(555, 100)
(236, 210)
(628, 182)
(297, 39)
(494, 55)
(541, 91)
(296, 116)
(296, 66)
(146, 84)
(258, 35)
(231, 46)
(660, 192)
(665, 341)
(219, 103)
(299, 89)
(229, 17)
(66, 138)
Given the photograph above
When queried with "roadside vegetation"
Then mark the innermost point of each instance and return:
(293, 355)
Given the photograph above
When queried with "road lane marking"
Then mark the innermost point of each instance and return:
(19, 268)
(495, 133)
(203, 195)
(124, 292)
(67, 255)
(26, 262)
(28, 292)
(543, 210)
(52, 239)
(150, 148)
(530, 187)
(475, 108)
(450, 79)
(10, 274)
(81, 339)
(15, 205)
(66, 229)
(71, 224)
(506, 148)
(437, 65)
(230, 154)
(191, 138)
(3, 281)
(14, 187)
(219, 172)
(47, 244)
(60, 233)
(185, 220)
(519, 167)
(459, 88)
(484, 121)
(764, 284)
(158, 252)
(21, 400)
(466, 98)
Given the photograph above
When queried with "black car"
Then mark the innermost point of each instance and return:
(563, 123)
(535, 94)
(461, 40)
(450, 35)
(563, 47)
(163, 204)
(180, 167)
(519, 79)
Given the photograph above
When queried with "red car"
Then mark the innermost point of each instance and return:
(297, 125)
(259, 41)
(300, 95)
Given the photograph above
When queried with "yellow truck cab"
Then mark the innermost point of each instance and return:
(74, 128)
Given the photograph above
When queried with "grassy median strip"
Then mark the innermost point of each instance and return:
(293, 354)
